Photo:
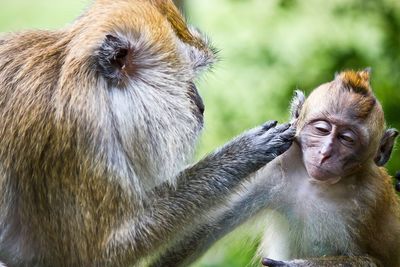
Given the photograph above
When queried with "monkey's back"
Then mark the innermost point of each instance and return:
(47, 171)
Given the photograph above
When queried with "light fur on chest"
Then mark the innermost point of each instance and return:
(308, 225)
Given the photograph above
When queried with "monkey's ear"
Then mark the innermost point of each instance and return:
(297, 104)
(114, 59)
(386, 146)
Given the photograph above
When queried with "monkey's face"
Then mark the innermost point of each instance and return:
(334, 138)
(332, 148)
(341, 128)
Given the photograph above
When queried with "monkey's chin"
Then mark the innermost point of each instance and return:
(319, 176)
(329, 181)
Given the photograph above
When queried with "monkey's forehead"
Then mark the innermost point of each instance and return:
(333, 100)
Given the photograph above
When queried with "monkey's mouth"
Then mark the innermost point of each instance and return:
(200, 104)
(196, 98)
(321, 174)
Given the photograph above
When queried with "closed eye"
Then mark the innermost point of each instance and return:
(322, 130)
(322, 127)
(347, 139)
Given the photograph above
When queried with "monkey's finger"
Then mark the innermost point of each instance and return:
(282, 127)
(397, 184)
(283, 141)
(276, 136)
(268, 125)
(278, 130)
(289, 134)
(260, 130)
(273, 263)
(283, 147)
(397, 176)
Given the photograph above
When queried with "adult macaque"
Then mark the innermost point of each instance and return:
(331, 202)
(97, 122)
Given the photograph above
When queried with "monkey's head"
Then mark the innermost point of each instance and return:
(133, 66)
(341, 128)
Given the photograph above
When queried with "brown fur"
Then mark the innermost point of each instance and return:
(381, 230)
(356, 222)
(98, 122)
(357, 81)
(363, 100)
(367, 205)
(54, 169)
(350, 219)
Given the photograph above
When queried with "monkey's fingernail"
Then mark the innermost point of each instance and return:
(272, 263)
(269, 125)
(283, 127)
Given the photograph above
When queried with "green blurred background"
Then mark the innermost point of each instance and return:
(268, 49)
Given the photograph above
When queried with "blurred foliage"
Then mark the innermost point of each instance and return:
(268, 49)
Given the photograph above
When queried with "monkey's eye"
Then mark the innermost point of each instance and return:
(347, 138)
(322, 127)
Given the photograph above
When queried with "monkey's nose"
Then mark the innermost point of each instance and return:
(324, 156)
(201, 107)
(323, 159)
(325, 152)
(195, 96)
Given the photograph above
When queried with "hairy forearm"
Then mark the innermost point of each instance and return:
(331, 261)
(254, 197)
(174, 208)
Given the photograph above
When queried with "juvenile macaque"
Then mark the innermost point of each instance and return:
(97, 122)
(330, 202)
(341, 203)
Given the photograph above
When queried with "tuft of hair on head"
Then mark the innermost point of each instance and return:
(357, 81)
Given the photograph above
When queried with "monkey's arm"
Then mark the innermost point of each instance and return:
(256, 195)
(198, 188)
(331, 261)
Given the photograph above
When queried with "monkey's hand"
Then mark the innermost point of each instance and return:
(264, 143)
(247, 153)
(332, 261)
(273, 263)
(241, 157)
(273, 141)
